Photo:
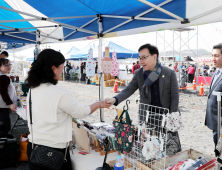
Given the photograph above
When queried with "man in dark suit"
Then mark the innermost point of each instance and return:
(216, 85)
(157, 84)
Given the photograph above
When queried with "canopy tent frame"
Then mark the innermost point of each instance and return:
(80, 27)
(49, 35)
(29, 32)
(131, 18)
(50, 20)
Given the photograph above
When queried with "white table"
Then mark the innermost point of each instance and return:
(90, 161)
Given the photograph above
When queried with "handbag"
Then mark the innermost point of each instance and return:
(172, 143)
(124, 134)
(44, 156)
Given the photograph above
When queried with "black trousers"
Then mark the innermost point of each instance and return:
(65, 166)
(5, 123)
(190, 78)
(215, 137)
(83, 76)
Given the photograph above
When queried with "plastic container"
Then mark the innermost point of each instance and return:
(119, 163)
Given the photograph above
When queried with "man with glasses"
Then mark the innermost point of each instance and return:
(157, 84)
(216, 85)
(4, 54)
(158, 87)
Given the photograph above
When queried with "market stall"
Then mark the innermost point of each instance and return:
(127, 17)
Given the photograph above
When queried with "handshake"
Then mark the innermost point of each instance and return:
(107, 102)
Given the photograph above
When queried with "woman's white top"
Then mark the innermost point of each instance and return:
(53, 108)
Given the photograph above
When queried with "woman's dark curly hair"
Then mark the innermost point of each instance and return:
(41, 69)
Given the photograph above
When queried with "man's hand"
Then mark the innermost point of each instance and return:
(110, 100)
(13, 107)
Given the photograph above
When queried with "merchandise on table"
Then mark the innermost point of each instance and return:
(98, 134)
(188, 164)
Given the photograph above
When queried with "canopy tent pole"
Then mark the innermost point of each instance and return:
(101, 78)
(79, 70)
(197, 66)
(100, 54)
(15, 69)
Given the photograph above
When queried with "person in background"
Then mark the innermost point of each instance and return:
(137, 65)
(204, 66)
(175, 67)
(73, 67)
(190, 71)
(83, 75)
(4, 54)
(68, 68)
(216, 85)
(8, 97)
(133, 68)
(126, 68)
(195, 66)
(170, 66)
(181, 67)
(53, 107)
(205, 73)
(96, 68)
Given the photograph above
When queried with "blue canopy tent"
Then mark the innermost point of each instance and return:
(122, 53)
(72, 51)
(88, 19)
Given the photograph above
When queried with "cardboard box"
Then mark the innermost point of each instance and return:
(121, 82)
(107, 76)
(106, 84)
(112, 77)
(171, 160)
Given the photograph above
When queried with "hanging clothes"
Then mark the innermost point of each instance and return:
(115, 65)
(90, 64)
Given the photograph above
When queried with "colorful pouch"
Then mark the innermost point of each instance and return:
(124, 134)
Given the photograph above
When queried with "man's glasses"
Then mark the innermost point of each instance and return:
(143, 57)
(7, 65)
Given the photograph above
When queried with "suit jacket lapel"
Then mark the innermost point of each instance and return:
(212, 81)
(215, 84)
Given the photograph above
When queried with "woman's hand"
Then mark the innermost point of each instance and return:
(13, 107)
(104, 104)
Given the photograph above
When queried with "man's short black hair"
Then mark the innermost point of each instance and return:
(5, 53)
(152, 49)
(218, 46)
